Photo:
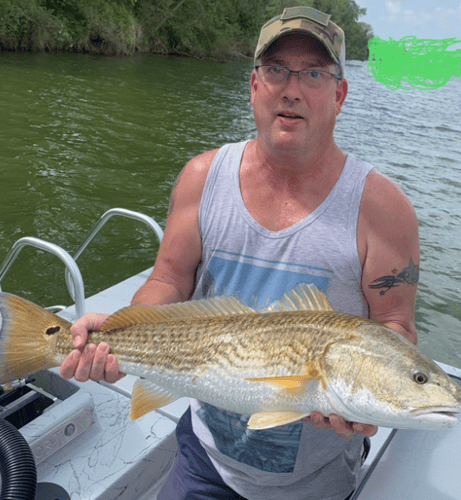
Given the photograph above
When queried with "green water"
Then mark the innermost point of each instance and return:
(83, 134)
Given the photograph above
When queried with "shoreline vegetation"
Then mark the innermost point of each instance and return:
(217, 29)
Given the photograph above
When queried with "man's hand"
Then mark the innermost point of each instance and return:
(340, 426)
(90, 361)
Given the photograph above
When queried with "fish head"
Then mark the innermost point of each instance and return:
(381, 378)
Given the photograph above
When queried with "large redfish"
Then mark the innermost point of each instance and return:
(278, 365)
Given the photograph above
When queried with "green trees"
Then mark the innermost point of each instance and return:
(200, 28)
(99, 26)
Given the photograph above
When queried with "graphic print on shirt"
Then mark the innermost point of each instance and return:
(257, 283)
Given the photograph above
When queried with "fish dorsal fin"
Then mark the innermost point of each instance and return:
(147, 397)
(302, 298)
(267, 420)
(143, 314)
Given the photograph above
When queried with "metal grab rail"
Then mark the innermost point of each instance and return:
(102, 221)
(71, 266)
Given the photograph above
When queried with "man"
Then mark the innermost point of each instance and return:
(253, 220)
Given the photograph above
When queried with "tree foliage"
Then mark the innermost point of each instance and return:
(100, 26)
(199, 28)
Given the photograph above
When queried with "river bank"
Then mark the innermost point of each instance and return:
(126, 27)
(222, 30)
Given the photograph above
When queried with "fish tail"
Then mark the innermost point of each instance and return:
(27, 337)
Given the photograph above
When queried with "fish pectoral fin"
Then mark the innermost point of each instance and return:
(266, 420)
(294, 383)
(147, 397)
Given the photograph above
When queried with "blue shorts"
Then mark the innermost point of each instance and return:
(193, 476)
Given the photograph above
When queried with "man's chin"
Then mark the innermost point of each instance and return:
(289, 142)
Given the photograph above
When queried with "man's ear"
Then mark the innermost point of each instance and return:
(340, 94)
(253, 84)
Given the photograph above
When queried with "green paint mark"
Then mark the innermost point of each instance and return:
(414, 63)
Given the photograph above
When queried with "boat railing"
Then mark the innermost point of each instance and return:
(72, 270)
(113, 212)
(73, 275)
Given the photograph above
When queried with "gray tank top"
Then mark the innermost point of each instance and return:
(243, 259)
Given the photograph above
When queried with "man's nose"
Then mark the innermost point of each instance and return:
(292, 89)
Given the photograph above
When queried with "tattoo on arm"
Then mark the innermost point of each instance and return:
(409, 275)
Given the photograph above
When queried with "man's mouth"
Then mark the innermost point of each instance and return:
(290, 115)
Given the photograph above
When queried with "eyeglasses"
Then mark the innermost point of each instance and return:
(312, 78)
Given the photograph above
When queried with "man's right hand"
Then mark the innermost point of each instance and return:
(90, 361)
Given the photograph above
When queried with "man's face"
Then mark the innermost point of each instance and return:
(292, 116)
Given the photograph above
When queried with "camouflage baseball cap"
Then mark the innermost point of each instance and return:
(304, 20)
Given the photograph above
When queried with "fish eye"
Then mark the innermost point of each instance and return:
(420, 377)
(52, 330)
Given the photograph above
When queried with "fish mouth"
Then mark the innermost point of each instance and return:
(445, 416)
(452, 410)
